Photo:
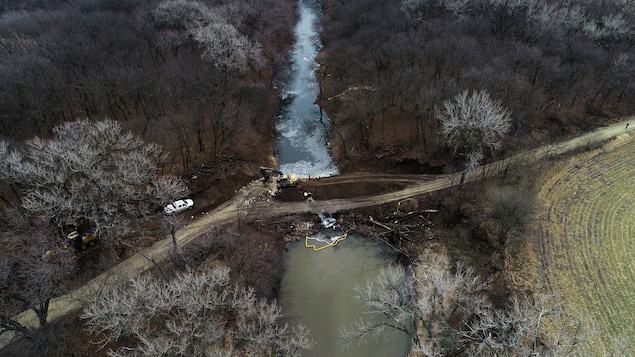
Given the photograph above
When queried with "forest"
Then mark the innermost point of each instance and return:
(155, 73)
(559, 68)
(106, 105)
(110, 109)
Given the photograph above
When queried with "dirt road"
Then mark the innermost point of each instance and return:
(251, 203)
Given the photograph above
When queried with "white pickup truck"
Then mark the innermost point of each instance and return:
(178, 206)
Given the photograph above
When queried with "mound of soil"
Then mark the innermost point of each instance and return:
(330, 189)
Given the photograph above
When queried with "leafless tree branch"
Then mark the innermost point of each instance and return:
(192, 314)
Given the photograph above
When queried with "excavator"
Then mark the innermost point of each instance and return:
(78, 239)
(81, 236)
(267, 172)
(283, 180)
(81, 240)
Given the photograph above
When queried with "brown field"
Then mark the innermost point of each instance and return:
(587, 240)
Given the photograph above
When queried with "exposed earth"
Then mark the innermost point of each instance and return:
(345, 194)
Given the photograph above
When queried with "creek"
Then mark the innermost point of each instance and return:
(317, 286)
(303, 129)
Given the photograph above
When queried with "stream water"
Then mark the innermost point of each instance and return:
(317, 285)
(303, 129)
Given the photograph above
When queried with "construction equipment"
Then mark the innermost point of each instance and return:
(288, 180)
(283, 180)
(81, 240)
(267, 172)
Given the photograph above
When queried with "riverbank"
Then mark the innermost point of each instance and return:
(445, 219)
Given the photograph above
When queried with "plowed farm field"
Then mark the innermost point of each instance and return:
(587, 240)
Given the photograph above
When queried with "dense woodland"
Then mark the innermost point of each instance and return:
(195, 84)
(560, 68)
(67, 60)
(103, 104)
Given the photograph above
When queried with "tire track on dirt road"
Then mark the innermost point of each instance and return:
(245, 206)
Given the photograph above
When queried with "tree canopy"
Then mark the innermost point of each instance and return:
(91, 171)
(192, 314)
(446, 312)
(473, 124)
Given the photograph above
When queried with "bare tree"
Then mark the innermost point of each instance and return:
(182, 15)
(171, 23)
(447, 312)
(227, 49)
(428, 304)
(89, 171)
(417, 7)
(175, 22)
(200, 314)
(173, 223)
(527, 327)
(511, 210)
(547, 17)
(472, 124)
(612, 27)
(29, 280)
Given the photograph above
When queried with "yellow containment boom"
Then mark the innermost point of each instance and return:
(331, 242)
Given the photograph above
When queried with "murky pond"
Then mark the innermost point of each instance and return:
(317, 291)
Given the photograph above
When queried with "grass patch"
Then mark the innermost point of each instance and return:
(587, 249)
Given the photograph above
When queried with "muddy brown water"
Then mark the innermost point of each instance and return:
(317, 291)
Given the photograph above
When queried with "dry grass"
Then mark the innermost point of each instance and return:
(587, 247)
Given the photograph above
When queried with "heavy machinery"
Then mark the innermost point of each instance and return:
(283, 180)
(288, 180)
(267, 172)
(81, 240)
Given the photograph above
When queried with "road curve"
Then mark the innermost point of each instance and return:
(242, 206)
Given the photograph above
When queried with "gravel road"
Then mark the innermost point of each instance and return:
(248, 204)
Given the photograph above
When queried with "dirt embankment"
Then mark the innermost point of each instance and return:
(402, 214)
